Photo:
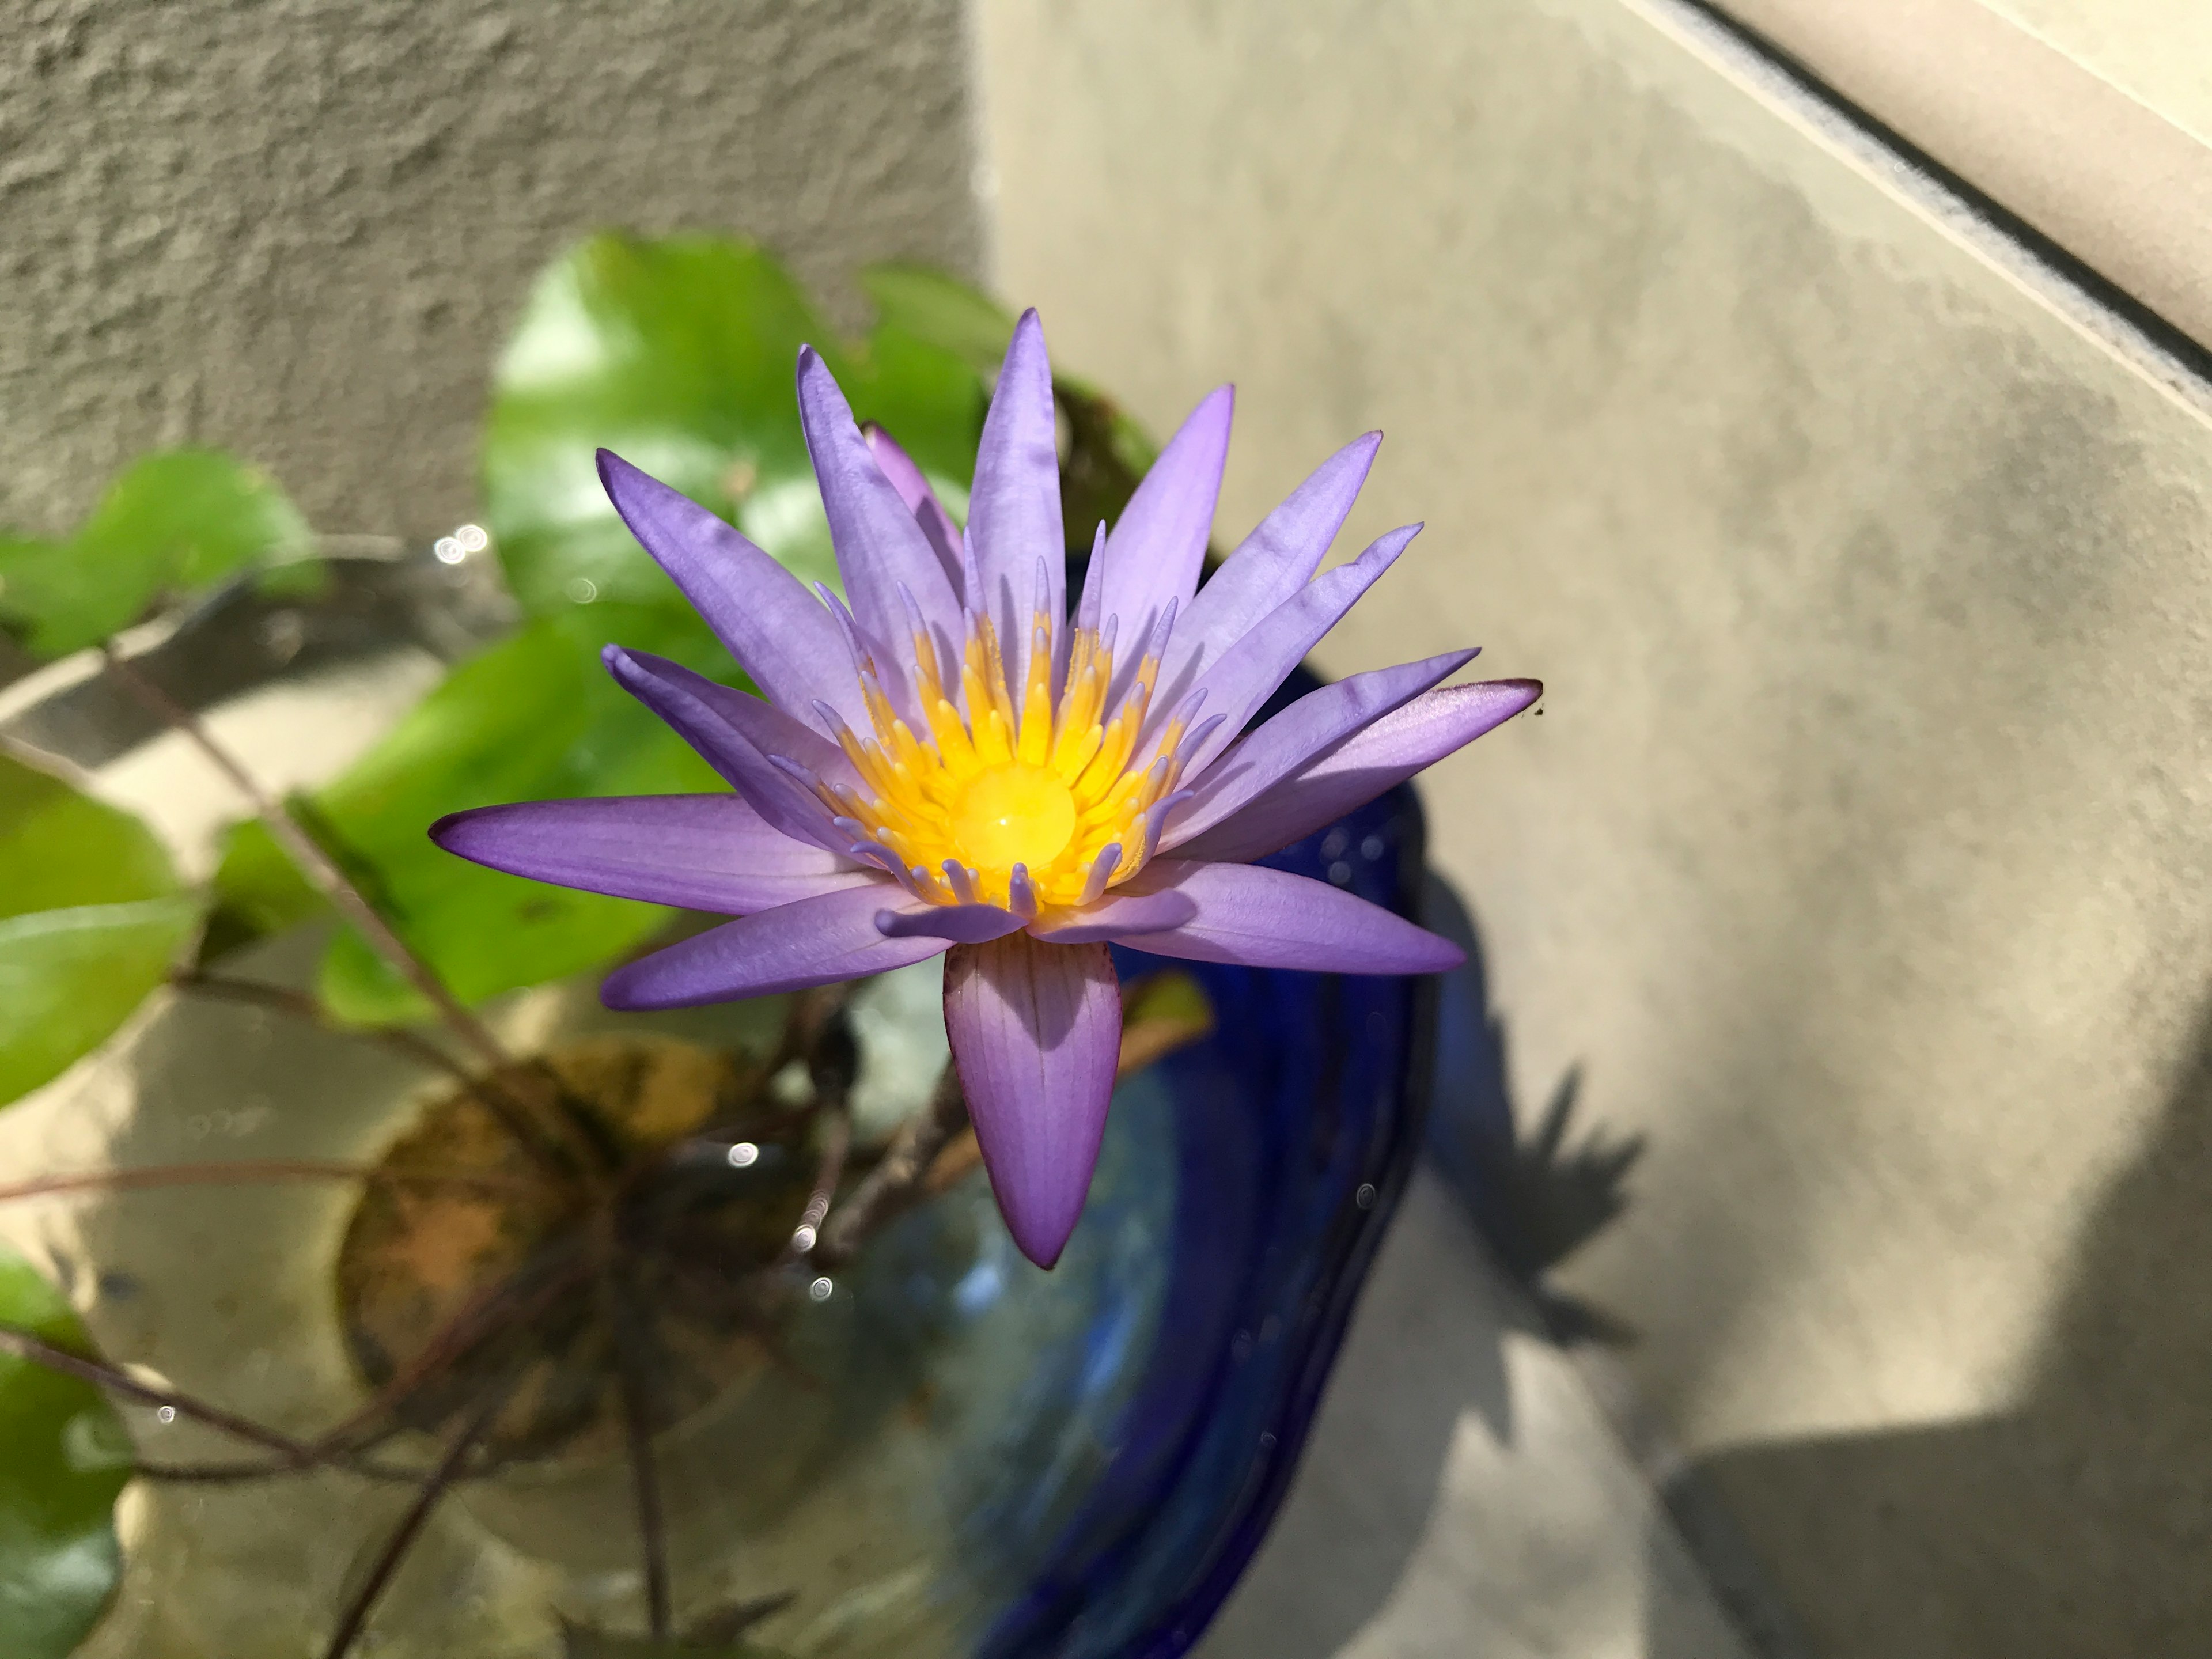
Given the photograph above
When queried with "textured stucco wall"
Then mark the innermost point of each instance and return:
(1859, 858)
(299, 227)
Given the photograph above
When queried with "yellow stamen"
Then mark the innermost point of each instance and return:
(1048, 785)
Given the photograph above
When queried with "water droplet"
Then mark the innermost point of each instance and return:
(582, 589)
(743, 1155)
(1365, 1198)
(1339, 873)
(1333, 843)
(449, 549)
(820, 1289)
(803, 1241)
(473, 538)
(166, 1413)
(1373, 847)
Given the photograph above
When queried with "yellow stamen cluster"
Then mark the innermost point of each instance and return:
(994, 784)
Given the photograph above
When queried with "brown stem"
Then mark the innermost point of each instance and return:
(514, 1116)
(24, 1345)
(896, 1183)
(403, 1536)
(496, 1308)
(632, 1337)
(315, 863)
(246, 1170)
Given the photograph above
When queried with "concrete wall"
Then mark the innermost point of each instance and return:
(300, 228)
(1859, 858)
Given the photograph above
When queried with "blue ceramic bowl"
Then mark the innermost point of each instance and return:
(1284, 1138)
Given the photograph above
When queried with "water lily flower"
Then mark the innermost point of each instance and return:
(949, 760)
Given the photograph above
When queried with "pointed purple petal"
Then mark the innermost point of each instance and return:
(1037, 1033)
(943, 535)
(762, 725)
(815, 941)
(1246, 675)
(1157, 546)
(786, 804)
(1270, 565)
(1013, 511)
(1301, 731)
(1263, 917)
(1124, 916)
(771, 624)
(1361, 768)
(698, 852)
(878, 542)
(958, 924)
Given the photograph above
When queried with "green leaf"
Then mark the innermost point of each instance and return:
(678, 355)
(91, 917)
(173, 522)
(67, 1456)
(930, 306)
(533, 718)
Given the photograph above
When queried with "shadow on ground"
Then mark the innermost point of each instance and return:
(2077, 1525)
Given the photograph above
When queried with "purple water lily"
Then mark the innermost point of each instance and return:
(943, 761)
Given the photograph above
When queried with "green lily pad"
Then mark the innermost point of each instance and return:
(533, 718)
(680, 356)
(91, 917)
(929, 305)
(173, 522)
(67, 1456)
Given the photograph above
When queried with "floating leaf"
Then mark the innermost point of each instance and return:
(932, 306)
(91, 917)
(532, 718)
(678, 355)
(66, 1458)
(173, 522)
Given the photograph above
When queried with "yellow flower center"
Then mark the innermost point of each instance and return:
(1047, 788)
(1014, 814)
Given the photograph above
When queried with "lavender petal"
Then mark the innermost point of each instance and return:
(772, 625)
(878, 542)
(937, 525)
(957, 924)
(1036, 1032)
(1130, 916)
(1262, 918)
(1361, 768)
(698, 852)
(815, 941)
(1270, 565)
(1013, 510)
(786, 804)
(1291, 739)
(1157, 546)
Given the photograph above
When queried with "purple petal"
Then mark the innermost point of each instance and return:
(1301, 731)
(765, 726)
(878, 544)
(1246, 675)
(1361, 768)
(815, 941)
(957, 924)
(772, 625)
(1263, 917)
(1270, 565)
(1157, 546)
(1037, 1033)
(671, 692)
(921, 500)
(1123, 915)
(698, 852)
(1013, 510)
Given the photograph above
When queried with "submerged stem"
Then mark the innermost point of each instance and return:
(403, 1536)
(315, 863)
(896, 1184)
